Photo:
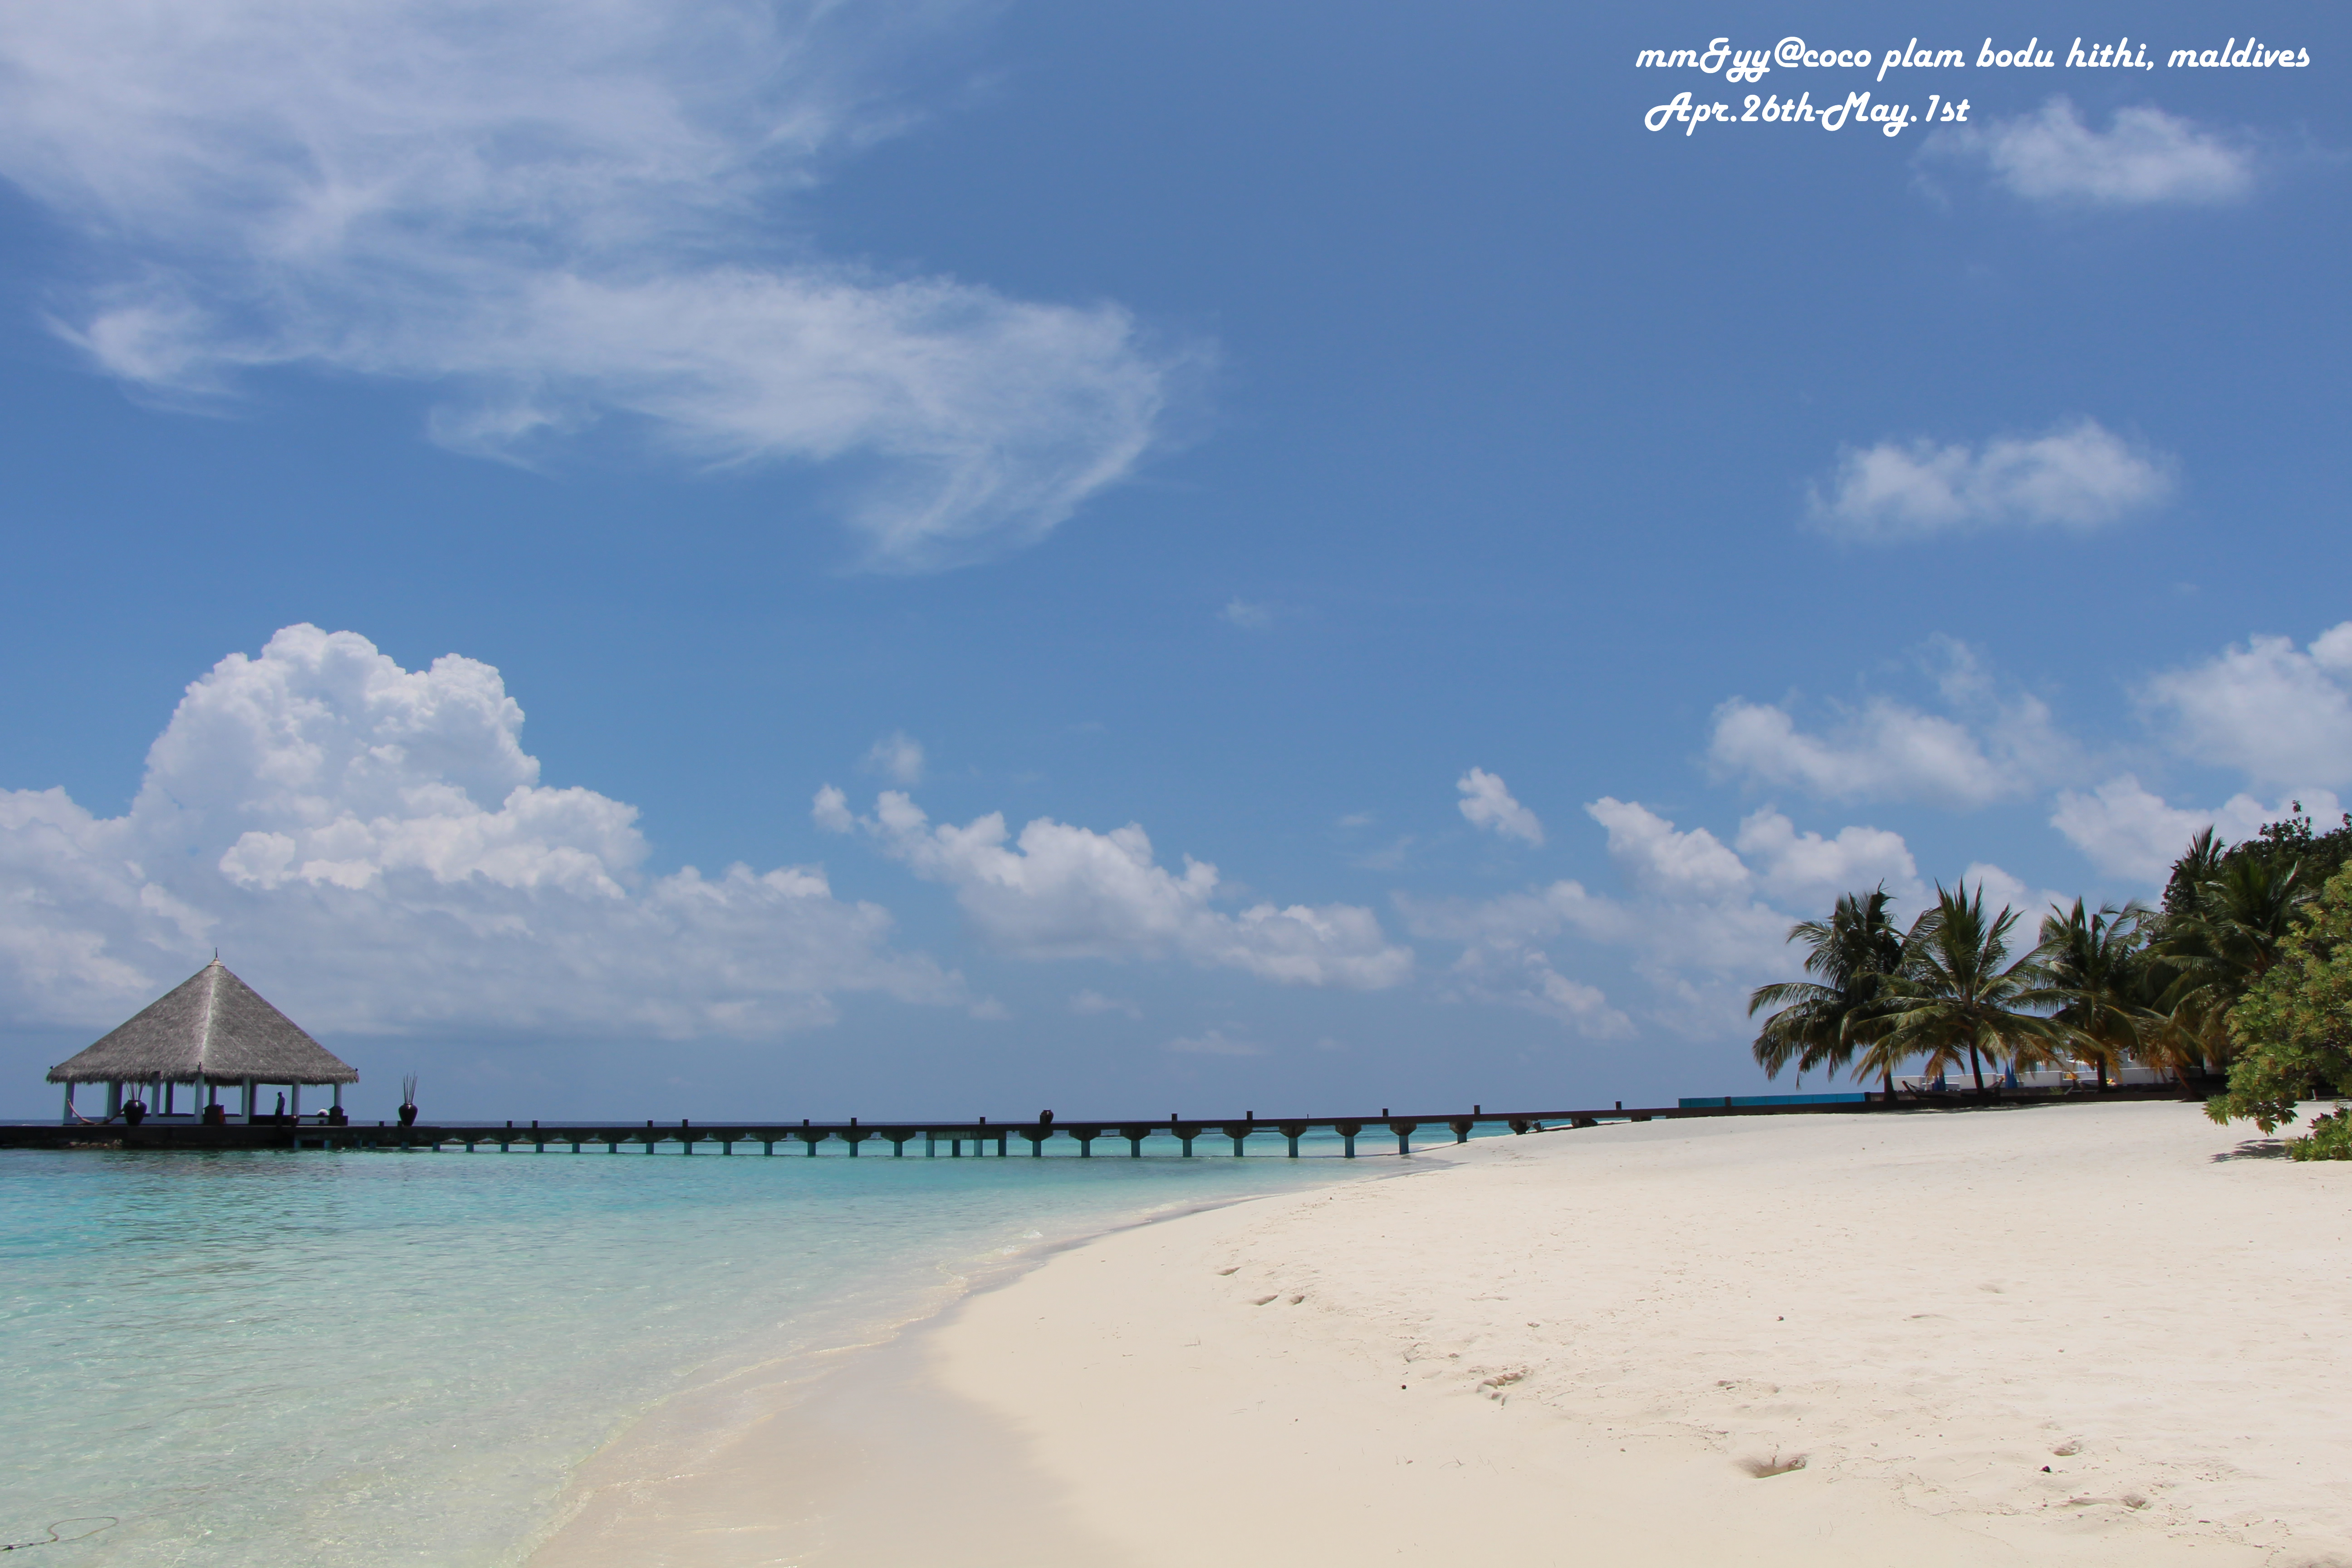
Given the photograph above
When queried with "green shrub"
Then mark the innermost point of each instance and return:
(2293, 1028)
(2330, 1138)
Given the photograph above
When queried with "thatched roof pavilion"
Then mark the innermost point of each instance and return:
(212, 1029)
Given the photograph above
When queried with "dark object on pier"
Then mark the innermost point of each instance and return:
(1044, 1119)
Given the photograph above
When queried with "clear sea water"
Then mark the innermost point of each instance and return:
(381, 1358)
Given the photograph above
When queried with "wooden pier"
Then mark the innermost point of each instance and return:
(956, 1139)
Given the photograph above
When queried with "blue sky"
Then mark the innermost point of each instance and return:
(972, 467)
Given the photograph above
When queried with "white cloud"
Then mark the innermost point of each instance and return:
(2078, 476)
(897, 756)
(2144, 157)
(2003, 890)
(2279, 714)
(372, 846)
(555, 216)
(1807, 871)
(2128, 830)
(1487, 803)
(1886, 750)
(830, 811)
(1214, 1043)
(1698, 922)
(2002, 745)
(1513, 975)
(1092, 1004)
(1241, 613)
(1063, 891)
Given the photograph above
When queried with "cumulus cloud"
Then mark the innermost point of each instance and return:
(2001, 744)
(2001, 889)
(2144, 157)
(1487, 803)
(372, 846)
(2078, 476)
(1704, 920)
(2128, 830)
(2280, 714)
(556, 217)
(1063, 891)
(897, 756)
(1808, 871)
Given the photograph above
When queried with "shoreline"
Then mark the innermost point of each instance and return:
(1614, 1343)
(761, 1458)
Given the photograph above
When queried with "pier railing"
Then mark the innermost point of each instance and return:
(958, 1139)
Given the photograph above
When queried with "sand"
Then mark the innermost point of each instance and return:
(2083, 1334)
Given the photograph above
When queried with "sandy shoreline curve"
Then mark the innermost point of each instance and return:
(2101, 1334)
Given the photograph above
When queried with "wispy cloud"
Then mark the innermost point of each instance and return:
(1215, 1043)
(2079, 477)
(2144, 157)
(1094, 1004)
(896, 756)
(560, 216)
(1241, 612)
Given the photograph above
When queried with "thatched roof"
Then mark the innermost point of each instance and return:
(214, 1028)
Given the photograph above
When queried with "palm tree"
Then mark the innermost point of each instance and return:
(2232, 913)
(1958, 990)
(1850, 954)
(2096, 964)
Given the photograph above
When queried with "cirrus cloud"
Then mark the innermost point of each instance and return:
(559, 216)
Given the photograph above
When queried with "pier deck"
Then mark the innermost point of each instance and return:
(952, 1140)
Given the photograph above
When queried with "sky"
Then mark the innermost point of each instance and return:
(929, 558)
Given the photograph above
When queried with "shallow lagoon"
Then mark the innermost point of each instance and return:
(379, 1358)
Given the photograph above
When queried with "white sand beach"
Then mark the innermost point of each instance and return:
(2083, 1334)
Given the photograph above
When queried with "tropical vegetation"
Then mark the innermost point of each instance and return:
(2240, 982)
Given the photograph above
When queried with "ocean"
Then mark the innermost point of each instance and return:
(380, 1358)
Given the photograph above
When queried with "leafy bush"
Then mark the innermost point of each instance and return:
(2293, 1029)
(2330, 1138)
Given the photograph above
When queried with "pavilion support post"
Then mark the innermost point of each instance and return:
(113, 1101)
(339, 1096)
(294, 1101)
(250, 1086)
(69, 1110)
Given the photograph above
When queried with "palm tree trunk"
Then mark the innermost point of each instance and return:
(1976, 1065)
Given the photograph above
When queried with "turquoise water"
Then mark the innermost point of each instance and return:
(378, 1358)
